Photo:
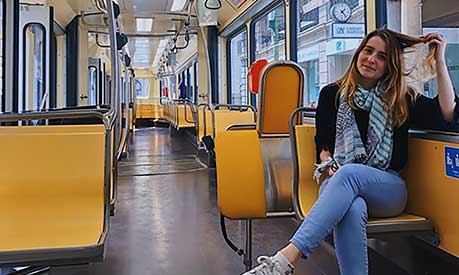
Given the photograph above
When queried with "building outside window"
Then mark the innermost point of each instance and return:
(142, 88)
(238, 68)
(270, 35)
(328, 34)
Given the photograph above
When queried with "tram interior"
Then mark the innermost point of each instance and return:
(177, 136)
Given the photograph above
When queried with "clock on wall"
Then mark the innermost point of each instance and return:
(341, 12)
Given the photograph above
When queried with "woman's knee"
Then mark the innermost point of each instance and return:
(358, 210)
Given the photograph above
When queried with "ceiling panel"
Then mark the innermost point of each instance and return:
(143, 50)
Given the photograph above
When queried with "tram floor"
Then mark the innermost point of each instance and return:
(168, 223)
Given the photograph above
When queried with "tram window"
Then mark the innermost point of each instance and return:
(452, 60)
(1, 54)
(270, 35)
(189, 83)
(92, 85)
(238, 68)
(196, 90)
(142, 88)
(323, 54)
(192, 88)
(34, 69)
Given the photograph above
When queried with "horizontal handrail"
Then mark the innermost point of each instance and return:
(241, 126)
(106, 117)
(242, 108)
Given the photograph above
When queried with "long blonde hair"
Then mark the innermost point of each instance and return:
(395, 85)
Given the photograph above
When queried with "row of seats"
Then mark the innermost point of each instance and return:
(215, 119)
(179, 113)
(57, 189)
(278, 160)
(149, 111)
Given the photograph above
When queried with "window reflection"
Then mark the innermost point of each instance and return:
(34, 72)
(92, 85)
(238, 74)
(270, 35)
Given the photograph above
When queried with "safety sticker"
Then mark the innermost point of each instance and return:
(452, 162)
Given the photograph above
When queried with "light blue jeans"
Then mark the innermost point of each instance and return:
(346, 199)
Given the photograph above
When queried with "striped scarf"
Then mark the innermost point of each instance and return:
(349, 148)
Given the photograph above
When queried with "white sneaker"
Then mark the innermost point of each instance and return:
(270, 266)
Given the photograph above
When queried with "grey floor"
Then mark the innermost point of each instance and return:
(167, 220)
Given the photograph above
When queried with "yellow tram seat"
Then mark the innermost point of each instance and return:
(431, 193)
(149, 111)
(204, 121)
(305, 189)
(184, 116)
(53, 203)
(254, 165)
(263, 186)
(223, 118)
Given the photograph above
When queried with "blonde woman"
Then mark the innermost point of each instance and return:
(362, 123)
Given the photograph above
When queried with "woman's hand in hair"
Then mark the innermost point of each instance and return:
(445, 87)
(435, 39)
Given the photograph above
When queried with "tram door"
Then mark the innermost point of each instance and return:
(35, 32)
(96, 83)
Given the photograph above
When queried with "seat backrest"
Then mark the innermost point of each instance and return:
(224, 118)
(240, 177)
(50, 174)
(305, 190)
(431, 193)
(280, 94)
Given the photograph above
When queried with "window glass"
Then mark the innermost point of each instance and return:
(1, 54)
(328, 34)
(191, 88)
(196, 89)
(34, 73)
(452, 60)
(92, 85)
(142, 87)
(270, 35)
(238, 65)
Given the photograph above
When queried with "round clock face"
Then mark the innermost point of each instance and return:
(341, 12)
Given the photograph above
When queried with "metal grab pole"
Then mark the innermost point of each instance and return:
(115, 68)
(115, 64)
(124, 137)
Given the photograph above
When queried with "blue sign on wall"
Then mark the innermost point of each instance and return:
(452, 162)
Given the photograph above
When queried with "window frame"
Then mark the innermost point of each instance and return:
(228, 64)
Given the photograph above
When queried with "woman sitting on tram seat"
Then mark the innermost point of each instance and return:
(361, 139)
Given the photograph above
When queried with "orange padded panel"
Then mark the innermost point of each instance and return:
(52, 186)
(281, 96)
(255, 74)
(240, 177)
(430, 192)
